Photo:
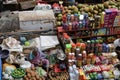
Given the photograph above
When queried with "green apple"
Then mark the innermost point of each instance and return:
(27, 43)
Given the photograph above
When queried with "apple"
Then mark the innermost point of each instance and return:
(27, 43)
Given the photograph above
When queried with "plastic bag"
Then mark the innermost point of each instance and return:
(38, 58)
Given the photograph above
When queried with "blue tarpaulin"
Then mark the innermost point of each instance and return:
(0, 69)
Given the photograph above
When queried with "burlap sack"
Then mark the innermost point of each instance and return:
(9, 23)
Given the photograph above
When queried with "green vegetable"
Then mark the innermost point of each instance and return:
(18, 73)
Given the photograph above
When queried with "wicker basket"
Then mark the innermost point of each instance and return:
(58, 76)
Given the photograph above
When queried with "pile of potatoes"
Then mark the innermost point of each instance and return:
(31, 74)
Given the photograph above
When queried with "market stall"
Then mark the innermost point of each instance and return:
(63, 41)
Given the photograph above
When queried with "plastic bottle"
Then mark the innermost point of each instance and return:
(102, 18)
(78, 47)
(72, 18)
(76, 72)
(86, 20)
(70, 26)
(70, 56)
(81, 18)
(83, 46)
(88, 46)
(73, 48)
(97, 21)
(92, 46)
(68, 48)
(80, 24)
(95, 75)
(68, 17)
(70, 62)
(64, 25)
(107, 48)
(62, 36)
(100, 77)
(79, 60)
(88, 60)
(66, 39)
(96, 46)
(116, 72)
(84, 57)
(93, 59)
(64, 18)
(99, 48)
(84, 54)
(76, 17)
(73, 56)
(78, 14)
(103, 47)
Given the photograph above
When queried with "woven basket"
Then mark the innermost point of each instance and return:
(58, 76)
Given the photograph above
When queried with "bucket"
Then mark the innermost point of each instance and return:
(4, 53)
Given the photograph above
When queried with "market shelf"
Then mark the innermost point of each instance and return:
(104, 27)
(60, 29)
(95, 36)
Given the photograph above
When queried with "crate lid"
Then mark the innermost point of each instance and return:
(36, 15)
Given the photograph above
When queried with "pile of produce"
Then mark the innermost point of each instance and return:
(91, 9)
(31, 74)
(58, 76)
(18, 73)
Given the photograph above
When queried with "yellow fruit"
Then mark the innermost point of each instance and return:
(96, 7)
(106, 4)
(69, 7)
(59, 15)
(65, 7)
(59, 18)
(95, 11)
(79, 5)
(58, 23)
(91, 8)
(100, 10)
(89, 14)
(86, 9)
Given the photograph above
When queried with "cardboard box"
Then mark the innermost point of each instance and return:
(117, 19)
(110, 17)
(107, 17)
